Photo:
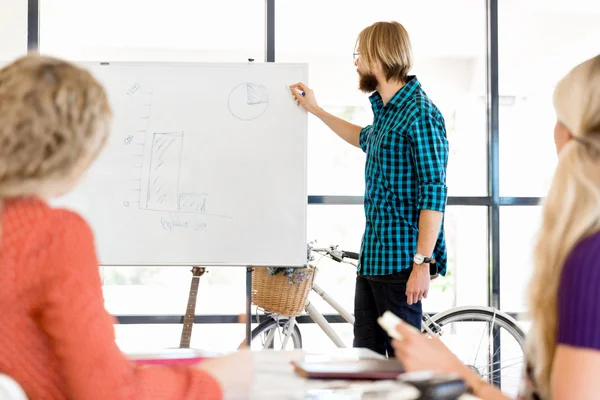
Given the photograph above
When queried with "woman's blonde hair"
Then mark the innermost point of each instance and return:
(571, 210)
(54, 120)
(386, 44)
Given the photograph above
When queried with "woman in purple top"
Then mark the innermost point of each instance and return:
(563, 351)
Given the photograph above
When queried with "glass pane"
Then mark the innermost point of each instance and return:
(464, 284)
(335, 225)
(539, 43)
(155, 337)
(156, 290)
(449, 61)
(153, 30)
(518, 229)
(13, 29)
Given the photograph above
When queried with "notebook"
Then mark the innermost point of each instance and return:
(352, 369)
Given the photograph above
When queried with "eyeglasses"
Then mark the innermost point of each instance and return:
(355, 56)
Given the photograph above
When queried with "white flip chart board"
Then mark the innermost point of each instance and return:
(206, 165)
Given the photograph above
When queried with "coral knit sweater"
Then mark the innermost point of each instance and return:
(56, 338)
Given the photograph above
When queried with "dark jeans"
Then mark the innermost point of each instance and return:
(372, 298)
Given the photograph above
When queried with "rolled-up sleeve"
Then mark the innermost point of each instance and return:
(364, 137)
(430, 155)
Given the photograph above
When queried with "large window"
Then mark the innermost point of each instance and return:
(539, 42)
(517, 238)
(449, 50)
(464, 283)
(153, 30)
(13, 29)
(449, 62)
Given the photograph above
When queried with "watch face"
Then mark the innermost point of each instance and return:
(418, 259)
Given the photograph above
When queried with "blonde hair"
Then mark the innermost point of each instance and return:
(571, 210)
(54, 120)
(386, 44)
(54, 117)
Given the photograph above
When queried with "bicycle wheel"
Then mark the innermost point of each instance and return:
(495, 352)
(270, 334)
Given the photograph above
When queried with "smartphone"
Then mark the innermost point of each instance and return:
(435, 386)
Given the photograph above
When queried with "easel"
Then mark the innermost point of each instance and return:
(190, 312)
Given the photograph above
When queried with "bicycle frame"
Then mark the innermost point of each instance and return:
(320, 320)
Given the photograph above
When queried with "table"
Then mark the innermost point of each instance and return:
(275, 379)
(274, 376)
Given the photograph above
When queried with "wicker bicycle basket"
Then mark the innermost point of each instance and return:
(275, 293)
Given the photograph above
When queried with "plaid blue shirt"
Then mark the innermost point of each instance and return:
(407, 155)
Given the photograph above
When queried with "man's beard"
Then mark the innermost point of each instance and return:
(367, 82)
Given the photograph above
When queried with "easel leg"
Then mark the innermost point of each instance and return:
(248, 305)
(190, 311)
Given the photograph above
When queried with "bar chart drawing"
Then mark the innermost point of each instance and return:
(192, 202)
(161, 170)
(157, 162)
(162, 193)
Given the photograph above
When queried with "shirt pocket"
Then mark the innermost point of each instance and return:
(392, 145)
(395, 163)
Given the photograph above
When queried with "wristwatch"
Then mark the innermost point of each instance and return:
(421, 259)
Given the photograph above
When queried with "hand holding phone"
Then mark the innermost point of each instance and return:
(388, 321)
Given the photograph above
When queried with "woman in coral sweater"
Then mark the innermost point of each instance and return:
(56, 339)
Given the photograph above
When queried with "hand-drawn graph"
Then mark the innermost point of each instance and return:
(248, 101)
(140, 100)
(192, 202)
(160, 188)
(165, 164)
(158, 167)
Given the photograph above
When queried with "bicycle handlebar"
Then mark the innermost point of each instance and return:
(350, 254)
(335, 254)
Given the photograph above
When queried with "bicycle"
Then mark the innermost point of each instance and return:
(448, 323)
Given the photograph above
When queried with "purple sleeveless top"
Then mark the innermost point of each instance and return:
(578, 302)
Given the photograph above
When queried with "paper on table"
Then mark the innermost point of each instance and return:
(374, 390)
(171, 357)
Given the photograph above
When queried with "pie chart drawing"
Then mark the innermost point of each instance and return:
(248, 101)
